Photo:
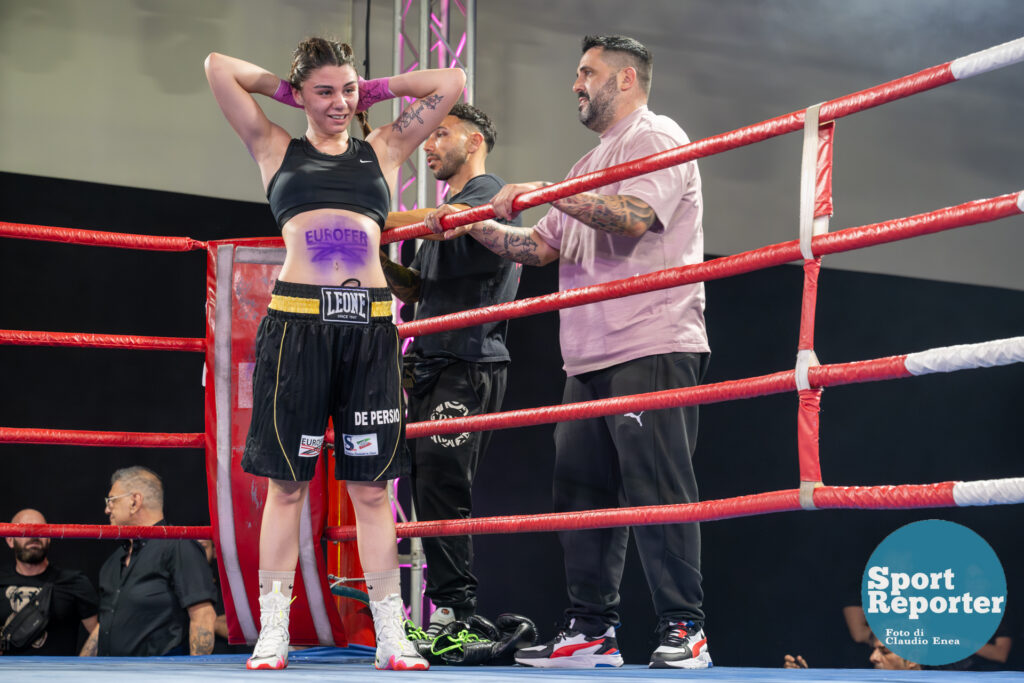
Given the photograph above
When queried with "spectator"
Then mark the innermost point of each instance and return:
(156, 595)
(73, 598)
(884, 658)
(991, 656)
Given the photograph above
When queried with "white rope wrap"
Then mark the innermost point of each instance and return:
(993, 58)
(808, 179)
(805, 358)
(966, 356)
(989, 492)
(820, 225)
(807, 494)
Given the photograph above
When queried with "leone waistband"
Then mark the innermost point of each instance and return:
(347, 305)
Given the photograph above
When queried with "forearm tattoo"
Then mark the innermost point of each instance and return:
(404, 282)
(618, 214)
(412, 112)
(200, 640)
(90, 647)
(513, 243)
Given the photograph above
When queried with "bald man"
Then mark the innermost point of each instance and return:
(156, 595)
(73, 602)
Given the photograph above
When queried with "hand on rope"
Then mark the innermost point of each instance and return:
(433, 221)
(504, 202)
(542, 193)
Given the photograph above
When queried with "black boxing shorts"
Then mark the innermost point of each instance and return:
(327, 352)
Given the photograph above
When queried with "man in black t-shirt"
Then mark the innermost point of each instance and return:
(73, 599)
(156, 595)
(460, 372)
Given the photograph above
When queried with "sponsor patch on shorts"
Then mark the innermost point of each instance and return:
(360, 444)
(309, 446)
(345, 305)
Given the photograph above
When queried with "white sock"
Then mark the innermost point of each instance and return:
(380, 585)
(286, 581)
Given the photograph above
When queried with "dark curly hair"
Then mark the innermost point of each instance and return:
(313, 53)
(479, 120)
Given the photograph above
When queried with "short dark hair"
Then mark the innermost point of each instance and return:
(632, 49)
(481, 121)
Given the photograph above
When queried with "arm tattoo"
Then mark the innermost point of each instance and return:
(412, 112)
(618, 214)
(513, 243)
(200, 641)
(404, 282)
(90, 647)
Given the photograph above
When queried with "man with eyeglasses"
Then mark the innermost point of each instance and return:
(156, 595)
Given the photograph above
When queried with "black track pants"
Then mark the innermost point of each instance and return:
(626, 461)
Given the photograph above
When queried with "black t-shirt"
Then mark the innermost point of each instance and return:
(461, 274)
(143, 607)
(73, 600)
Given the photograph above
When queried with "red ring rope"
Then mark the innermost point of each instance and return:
(907, 496)
(891, 367)
(102, 531)
(98, 238)
(970, 213)
(862, 497)
(72, 437)
(101, 341)
(748, 135)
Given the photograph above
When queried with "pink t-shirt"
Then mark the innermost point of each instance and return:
(606, 333)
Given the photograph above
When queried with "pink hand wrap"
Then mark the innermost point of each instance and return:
(373, 91)
(284, 95)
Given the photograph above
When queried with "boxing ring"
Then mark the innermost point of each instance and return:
(239, 274)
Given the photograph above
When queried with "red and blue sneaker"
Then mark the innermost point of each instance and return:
(682, 647)
(572, 649)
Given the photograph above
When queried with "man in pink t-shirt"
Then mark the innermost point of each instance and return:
(636, 344)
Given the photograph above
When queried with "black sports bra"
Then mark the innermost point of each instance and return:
(309, 179)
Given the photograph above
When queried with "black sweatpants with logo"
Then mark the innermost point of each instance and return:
(625, 461)
(443, 470)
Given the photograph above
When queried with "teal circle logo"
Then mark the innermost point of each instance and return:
(933, 592)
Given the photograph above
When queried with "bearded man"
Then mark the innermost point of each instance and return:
(73, 601)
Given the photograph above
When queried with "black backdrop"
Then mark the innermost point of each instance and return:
(774, 584)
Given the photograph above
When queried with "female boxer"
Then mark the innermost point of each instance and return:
(327, 346)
